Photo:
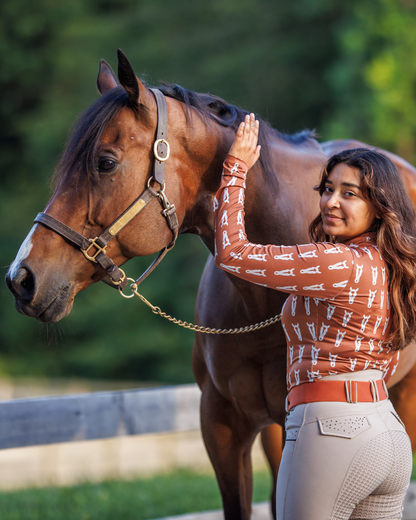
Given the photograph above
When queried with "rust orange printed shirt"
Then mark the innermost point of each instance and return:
(336, 318)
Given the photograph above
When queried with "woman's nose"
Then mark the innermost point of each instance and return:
(333, 201)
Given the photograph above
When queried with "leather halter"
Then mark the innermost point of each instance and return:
(94, 248)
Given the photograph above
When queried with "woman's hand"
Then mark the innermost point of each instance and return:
(245, 146)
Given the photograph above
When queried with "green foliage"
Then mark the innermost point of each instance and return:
(347, 69)
(163, 495)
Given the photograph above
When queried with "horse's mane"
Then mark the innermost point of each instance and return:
(80, 150)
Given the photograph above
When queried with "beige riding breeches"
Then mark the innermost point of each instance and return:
(344, 461)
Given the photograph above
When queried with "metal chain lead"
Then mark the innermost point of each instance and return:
(199, 328)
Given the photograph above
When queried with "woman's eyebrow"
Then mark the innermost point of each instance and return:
(349, 184)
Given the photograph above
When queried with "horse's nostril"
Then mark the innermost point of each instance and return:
(22, 283)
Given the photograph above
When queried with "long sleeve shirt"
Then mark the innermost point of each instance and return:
(336, 318)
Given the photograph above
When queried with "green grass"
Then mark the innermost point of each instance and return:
(141, 499)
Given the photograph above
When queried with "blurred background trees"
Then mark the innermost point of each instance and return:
(347, 69)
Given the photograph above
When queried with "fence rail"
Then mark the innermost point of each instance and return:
(100, 415)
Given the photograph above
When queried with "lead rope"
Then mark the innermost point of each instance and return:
(192, 326)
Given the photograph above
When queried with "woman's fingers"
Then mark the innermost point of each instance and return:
(245, 144)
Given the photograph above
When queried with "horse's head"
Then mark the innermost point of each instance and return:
(107, 165)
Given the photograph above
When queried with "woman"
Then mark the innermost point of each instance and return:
(350, 311)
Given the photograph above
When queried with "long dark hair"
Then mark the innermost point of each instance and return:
(395, 231)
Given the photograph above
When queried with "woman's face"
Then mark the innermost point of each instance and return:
(344, 211)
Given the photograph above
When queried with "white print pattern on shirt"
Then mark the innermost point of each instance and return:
(371, 297)
(358, 273)
(234, 169)
(352, 295)
(259, 257)
(307, 305)
(340, 284)
(338, 265)
(288, 288)
(383, 274)
(312, 375)
(347, 317)
(374, 271)
(297, 377)
(231, 268)
(241, 197)
(323, 331)
(377, 324)
(315, 352)
(330, 311)
(293, 308)
(317, 287)
(298, 333)
(308, 254)
(317, 300)
(394, 369)
(371, 343)
(311, 327)
(353, 362)
(340, 337)
(226, 197)
(333, 359)
(215, 204)
(368, 252)
(257, 272)
(224, 219)
(237, 256)
(356, 253)
(285, 272)
(382, 300)
(240, 218)
(232, 181)
(333, 250)
(225, 240)
(285, 256)
(301, 349)
(358, 340)
(385, 326)
(311, 270)
(364, 322)
(366, 364)
(284, 328)
(291, 349)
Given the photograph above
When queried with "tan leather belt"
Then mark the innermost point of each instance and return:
(348, 391)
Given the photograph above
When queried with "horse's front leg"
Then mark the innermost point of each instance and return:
(228, 438)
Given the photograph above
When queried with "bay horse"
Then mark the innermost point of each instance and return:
(107, 164)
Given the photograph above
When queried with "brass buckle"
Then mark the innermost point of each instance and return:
(156, 151)
(121, 279)
(93, 244)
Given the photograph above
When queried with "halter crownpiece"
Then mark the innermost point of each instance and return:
(94, 249)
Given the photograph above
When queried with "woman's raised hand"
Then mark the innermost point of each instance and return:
(245, 145)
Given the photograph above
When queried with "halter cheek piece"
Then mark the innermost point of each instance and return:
(94, 248)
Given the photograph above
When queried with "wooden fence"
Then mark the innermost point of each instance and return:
(100, 415)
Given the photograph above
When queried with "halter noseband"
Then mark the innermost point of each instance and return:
(94, 248)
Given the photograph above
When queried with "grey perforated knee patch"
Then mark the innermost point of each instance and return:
(377, 481)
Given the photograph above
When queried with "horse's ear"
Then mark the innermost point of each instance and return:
(106, 79)
(130, 82)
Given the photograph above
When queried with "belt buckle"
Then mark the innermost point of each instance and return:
(374, 391)
(349, 387)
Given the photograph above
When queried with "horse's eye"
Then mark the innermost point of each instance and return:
(106, 165)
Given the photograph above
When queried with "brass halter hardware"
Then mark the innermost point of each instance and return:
(115, 276)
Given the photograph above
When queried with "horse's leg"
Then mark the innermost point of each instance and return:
(228, 439)
(272, 442)
(403, 397)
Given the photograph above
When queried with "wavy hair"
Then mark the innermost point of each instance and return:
(395, 231)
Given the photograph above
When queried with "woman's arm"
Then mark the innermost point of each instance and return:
(319, 270)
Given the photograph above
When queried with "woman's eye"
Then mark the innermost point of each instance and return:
(328, 189)
(106, 165)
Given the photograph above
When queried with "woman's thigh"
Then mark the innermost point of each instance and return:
(323, 444)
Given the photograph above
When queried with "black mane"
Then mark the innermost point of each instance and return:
(80, 150)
